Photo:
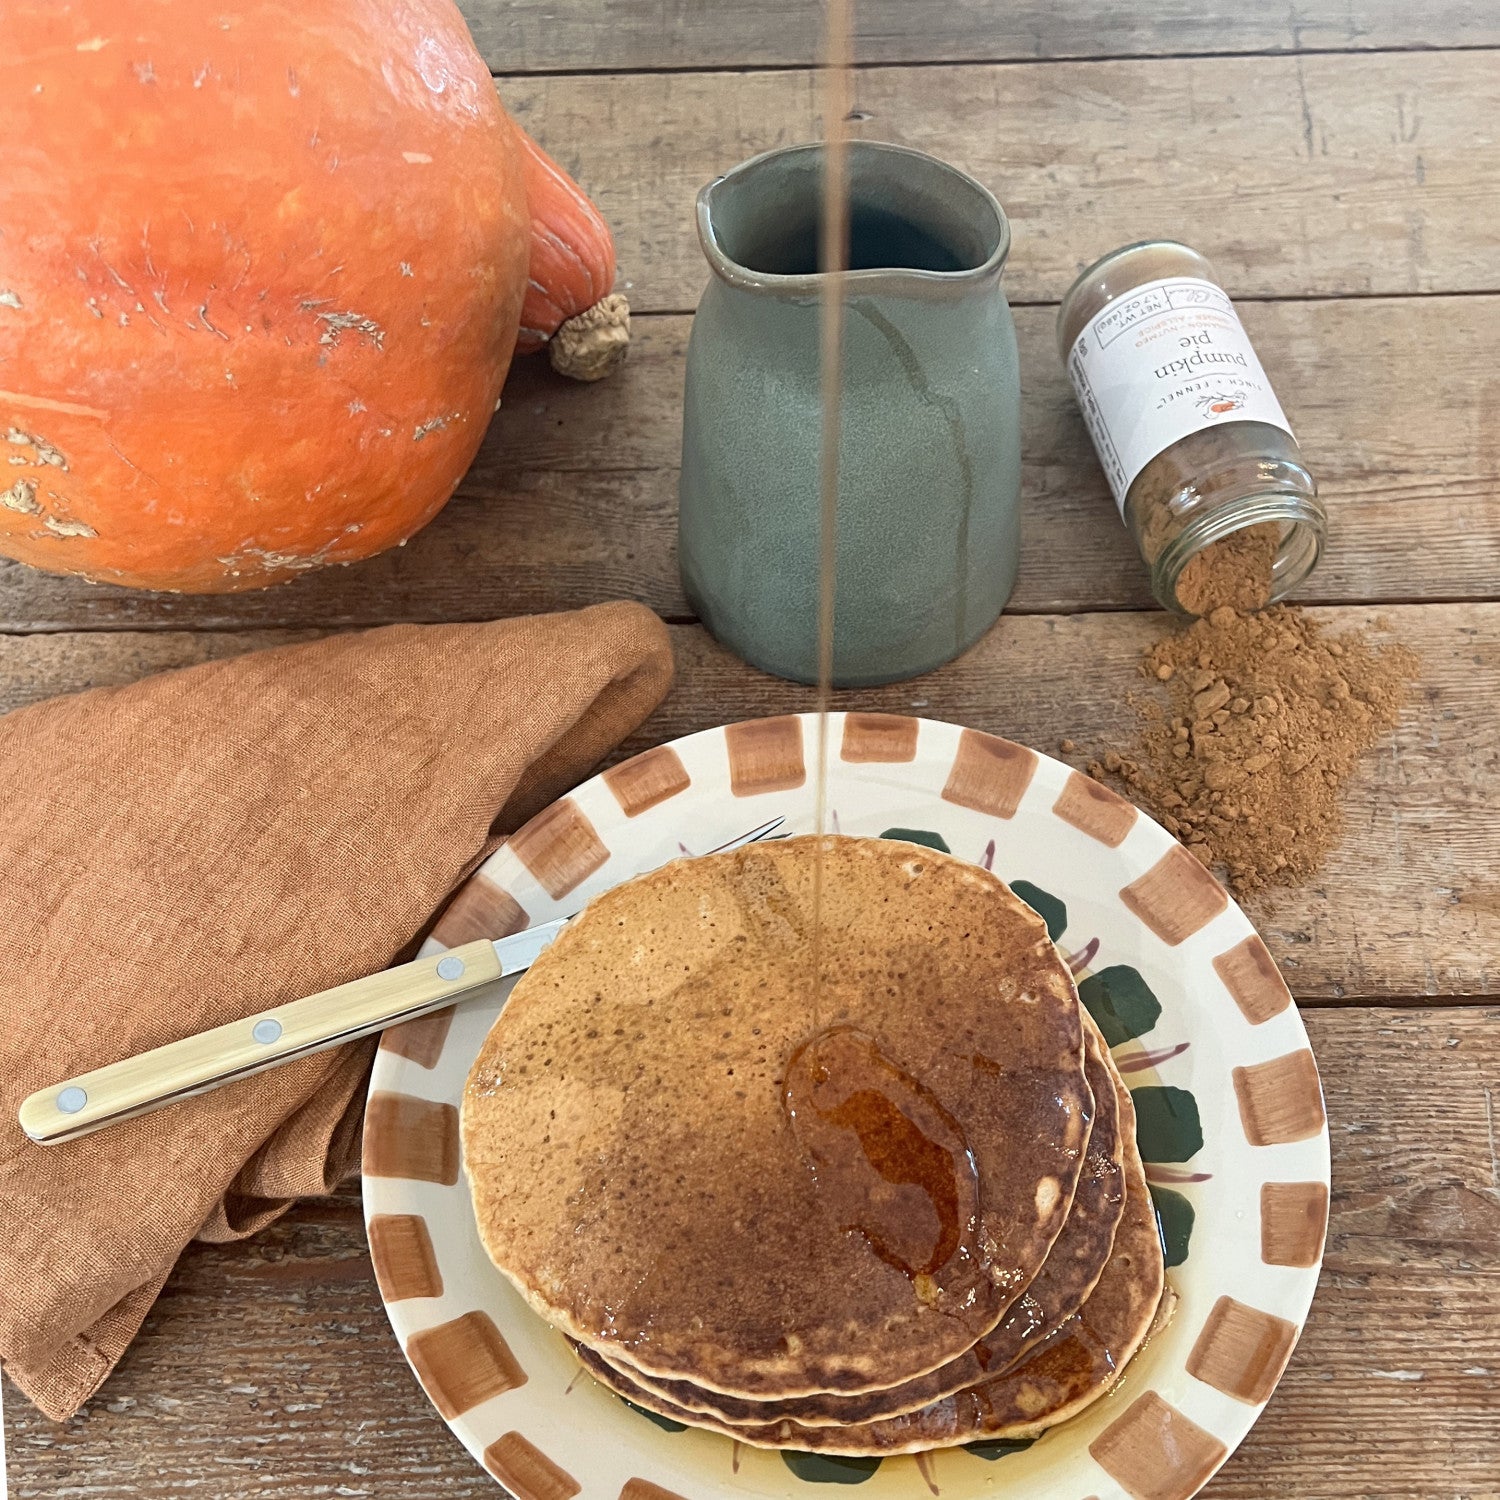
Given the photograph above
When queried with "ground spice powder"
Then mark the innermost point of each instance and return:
(1236, 571)
(1266, 717)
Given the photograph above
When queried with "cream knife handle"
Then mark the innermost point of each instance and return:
(202, 1062)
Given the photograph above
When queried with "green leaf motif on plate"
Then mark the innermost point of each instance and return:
(665, 1423)
(1174, 1217)
(998, 1447)
(1120, 1002)
(1052, 911)
(824, 1468)
(1167, 1127)
(919, 836)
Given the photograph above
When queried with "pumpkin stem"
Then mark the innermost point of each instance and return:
(594, 342)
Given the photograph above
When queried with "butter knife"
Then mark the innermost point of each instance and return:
(208, 1060)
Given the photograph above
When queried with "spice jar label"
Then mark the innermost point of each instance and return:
(1166, 359)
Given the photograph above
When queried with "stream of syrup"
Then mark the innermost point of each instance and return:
(833, 261)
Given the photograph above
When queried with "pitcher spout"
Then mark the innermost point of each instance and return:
(917, 226)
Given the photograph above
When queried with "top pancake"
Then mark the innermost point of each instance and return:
(1060, 1288)
(1070, 1369)
(681, 1148)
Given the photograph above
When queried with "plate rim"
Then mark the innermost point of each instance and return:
(1296, 1299)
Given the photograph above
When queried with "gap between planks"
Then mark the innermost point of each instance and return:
(1435, 1003)
(1219, 54)
(291, 633)
(1239, 297)
(280, 1346)
(542, 36)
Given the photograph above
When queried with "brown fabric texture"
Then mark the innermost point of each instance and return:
(204, 844)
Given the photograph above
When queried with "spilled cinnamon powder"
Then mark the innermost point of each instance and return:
(1266, 717)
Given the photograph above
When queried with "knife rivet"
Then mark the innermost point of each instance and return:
(450, 968)
(267, 1031)
(71, 1100)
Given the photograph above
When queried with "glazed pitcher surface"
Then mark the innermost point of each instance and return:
(929, 466)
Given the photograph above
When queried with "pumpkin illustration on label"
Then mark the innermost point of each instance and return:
(1219, 403)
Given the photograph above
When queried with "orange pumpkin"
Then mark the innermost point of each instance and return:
(261, 275)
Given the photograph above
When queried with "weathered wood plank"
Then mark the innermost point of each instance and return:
(268, 1369)
(1320, 175)
(1408, 906)
(573, 496)
(527, 36)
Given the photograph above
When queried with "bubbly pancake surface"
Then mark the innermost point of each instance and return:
(1070, 1272)
(682, 1149)
(1069, 1370)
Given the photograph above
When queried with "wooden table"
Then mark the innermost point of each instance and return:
(1339, 161)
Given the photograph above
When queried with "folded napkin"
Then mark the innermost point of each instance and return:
(210, 842)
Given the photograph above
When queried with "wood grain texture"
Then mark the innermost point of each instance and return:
(1298, 176)
(522, 36)
(1408, 906)
(573, 497)
(268, 1370)
(1365, 176)
(1414, 506)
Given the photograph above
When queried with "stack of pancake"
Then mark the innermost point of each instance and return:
(860, 1182)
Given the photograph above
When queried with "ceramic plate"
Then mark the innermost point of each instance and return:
(1202, 1027)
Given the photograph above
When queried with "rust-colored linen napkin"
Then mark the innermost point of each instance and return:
(213, 841)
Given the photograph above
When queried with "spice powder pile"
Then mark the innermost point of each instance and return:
(1267, 716)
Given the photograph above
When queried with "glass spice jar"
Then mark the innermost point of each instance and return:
(1202, 463)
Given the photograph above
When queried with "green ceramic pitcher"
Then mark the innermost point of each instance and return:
(930, 458)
